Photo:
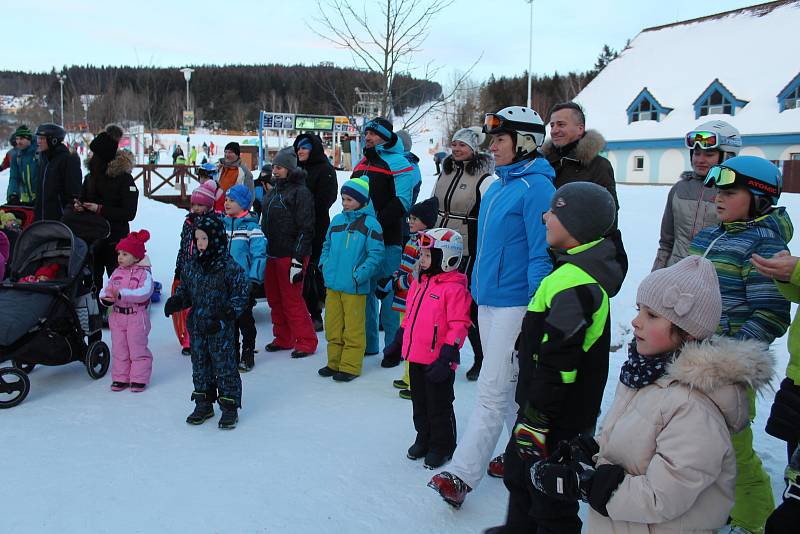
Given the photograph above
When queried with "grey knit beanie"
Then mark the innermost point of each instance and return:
(473, 137)
(686, 294)
(586, 210)
(405, 137)
(286, 158)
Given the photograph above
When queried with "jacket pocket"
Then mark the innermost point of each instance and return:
(500, 266)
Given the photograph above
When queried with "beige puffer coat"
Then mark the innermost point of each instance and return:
(690, 208)
(673, 438)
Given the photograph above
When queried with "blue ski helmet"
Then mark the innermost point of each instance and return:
(758, 175)
(207, 169)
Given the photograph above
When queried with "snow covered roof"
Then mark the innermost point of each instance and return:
(750, 51)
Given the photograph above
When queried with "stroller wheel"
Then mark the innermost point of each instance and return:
(14, 387)
(98, 358)
(24, 367)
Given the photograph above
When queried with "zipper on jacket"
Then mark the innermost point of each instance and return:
(483, 236)
(420, 295)
(435, 333)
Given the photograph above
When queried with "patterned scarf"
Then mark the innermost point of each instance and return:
(640, 371)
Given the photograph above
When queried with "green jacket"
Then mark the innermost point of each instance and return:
(22, 179)
(791, 290)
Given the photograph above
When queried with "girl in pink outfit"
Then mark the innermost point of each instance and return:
(128, 292)
(434, 329)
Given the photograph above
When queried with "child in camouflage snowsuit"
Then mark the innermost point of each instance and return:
(215, 287)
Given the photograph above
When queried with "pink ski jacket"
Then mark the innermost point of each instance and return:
(135, 285)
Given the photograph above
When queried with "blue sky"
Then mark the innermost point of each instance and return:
(568, 34)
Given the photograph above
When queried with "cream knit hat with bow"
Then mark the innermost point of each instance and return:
(686, 294)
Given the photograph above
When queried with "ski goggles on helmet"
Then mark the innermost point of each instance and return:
(428, 241)
(706, 140)
(495, 124)
(724, 177)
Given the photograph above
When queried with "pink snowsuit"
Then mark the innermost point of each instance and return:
(131, 360)
(437, 313)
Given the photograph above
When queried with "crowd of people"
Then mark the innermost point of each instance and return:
(517, 251)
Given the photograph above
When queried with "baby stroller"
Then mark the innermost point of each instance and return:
(51, 322)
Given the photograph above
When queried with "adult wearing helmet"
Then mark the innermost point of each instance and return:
(511, 259)
(24, 168)
(465, 177)
(321, 181)
(748, 188)
(59, 175)
(690, 206)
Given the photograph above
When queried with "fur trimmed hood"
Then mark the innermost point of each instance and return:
(482, 163)
(121, 164)
(587, 149)
(720, 367)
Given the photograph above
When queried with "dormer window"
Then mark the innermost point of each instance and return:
(789, 97)
(645, 107)
(717, 100)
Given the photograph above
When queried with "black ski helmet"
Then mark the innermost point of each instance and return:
(54, 133)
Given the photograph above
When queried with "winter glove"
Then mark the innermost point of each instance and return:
(439, 371)
(13, 199)
(394, 349)
(564, 482)
(602, 485)
(252, 291)
(530, 436)
(174, 304)
(296, 271)
(384, 287)
(784, 419)
(786, 517)
(582, 448)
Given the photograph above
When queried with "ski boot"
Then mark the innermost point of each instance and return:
(119, 386)
(400, 384)
(203, 409)
(496, 467)
(451, 488)
(326, 372)
(229, 416)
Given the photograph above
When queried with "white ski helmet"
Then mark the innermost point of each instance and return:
(715, 135)
(524, 125)
(448, 242)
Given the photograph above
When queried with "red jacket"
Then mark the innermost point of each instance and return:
(437, 314)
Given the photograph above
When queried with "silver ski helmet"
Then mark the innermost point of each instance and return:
(446, 248)
(524, 125)
(715, 135)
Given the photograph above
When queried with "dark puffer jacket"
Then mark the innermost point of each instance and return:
(116, 193)
(321, 181)
(59, 182)
(288, 217)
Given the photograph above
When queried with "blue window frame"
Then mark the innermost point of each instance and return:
(645, 107)
(789, 97)
(717, 100)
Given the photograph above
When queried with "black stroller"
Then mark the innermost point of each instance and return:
(50, 322)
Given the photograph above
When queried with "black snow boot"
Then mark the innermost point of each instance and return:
(435, 460)
(203, 409)
(248, 360)
(416, 451)
(229, 416)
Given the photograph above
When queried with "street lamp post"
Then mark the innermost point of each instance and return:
(187, 75)
(61, 78)
(51, 110)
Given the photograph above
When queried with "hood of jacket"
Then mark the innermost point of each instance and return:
(598, 259)
(719, 367)
(390, 147)
(352, 215)
(317, 154)
(481, 163)
(520, 169)
(121, 164)
(297, 176)
(776, 220)
(588, 148)
(690, 175)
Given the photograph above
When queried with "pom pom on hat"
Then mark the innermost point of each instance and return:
(206, 194)
(134, 244)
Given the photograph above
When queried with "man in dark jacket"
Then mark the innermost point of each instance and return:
(391, 184)
(58, 175)
(321, 181)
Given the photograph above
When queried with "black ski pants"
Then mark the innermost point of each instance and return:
(434, 418)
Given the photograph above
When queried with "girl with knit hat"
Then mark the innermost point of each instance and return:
(128, 294)
(203, 200)
(663, 460)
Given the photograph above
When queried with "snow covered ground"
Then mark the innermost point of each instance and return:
(309, 454)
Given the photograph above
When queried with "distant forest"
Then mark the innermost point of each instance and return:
(228, 97)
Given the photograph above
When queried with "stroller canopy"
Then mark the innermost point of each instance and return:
(48, 241)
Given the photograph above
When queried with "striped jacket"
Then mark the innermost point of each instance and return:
(405, 274)
(247, 245)
(752, 306)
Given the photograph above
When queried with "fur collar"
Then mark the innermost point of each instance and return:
(121, 164)
(588, 148)
(482, 163)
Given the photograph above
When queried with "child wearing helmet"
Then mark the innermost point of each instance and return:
(690, 206)
(752, 307)
(433, 331)
(563, 361)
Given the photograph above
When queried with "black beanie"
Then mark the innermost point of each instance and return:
(233, 146)
(426, 211)
(104, 147)
(382, 127)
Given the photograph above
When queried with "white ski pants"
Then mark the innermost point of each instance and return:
(497, 384)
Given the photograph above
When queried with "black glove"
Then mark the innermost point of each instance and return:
(296, 271)
(384, 287)
(13, 199)
(394, 349)
(564, 482)
(582, 448)
(786, 517)
(784, 419)
(441, 368)
(252, 291)
(174, 304)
